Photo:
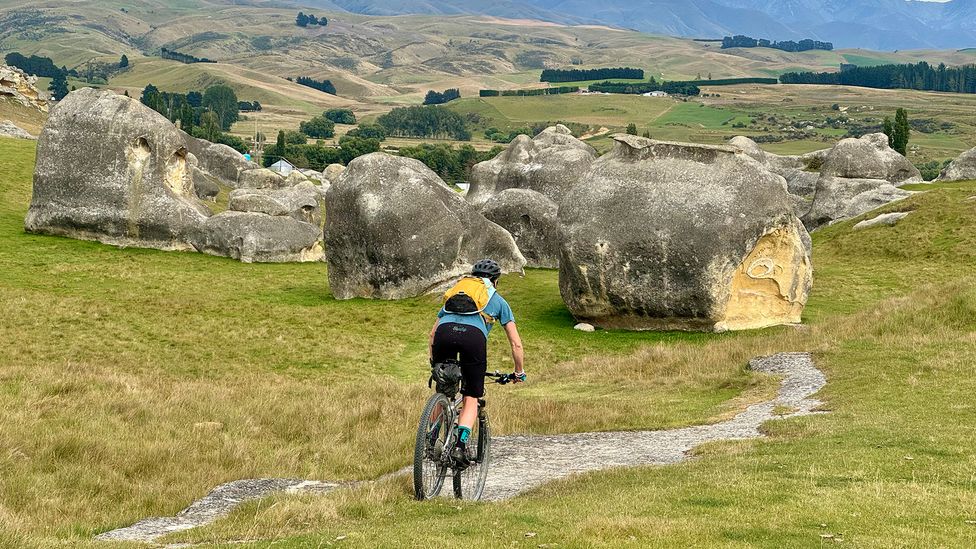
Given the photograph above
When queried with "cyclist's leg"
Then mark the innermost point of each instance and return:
(474, 364)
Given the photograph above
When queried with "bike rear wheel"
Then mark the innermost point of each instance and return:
(429, 469)
(470, 483)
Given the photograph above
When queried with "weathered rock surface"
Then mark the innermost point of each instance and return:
(887, 220)
(839, 198)
(800, 182)
(260, 178)
(332, 172)
(111, 169)
(551, 163)
(9, 129)
(680, 236)
(219, 160)
(204, 184)
(869, 157)
(961, 168)
(21, 87)
(395, 230)
(254, 237)
(299, 203)
(294, 178)
(531, 219)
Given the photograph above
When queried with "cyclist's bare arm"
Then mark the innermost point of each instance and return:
(518, 356)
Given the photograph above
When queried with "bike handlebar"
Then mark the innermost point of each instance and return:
(503, 379)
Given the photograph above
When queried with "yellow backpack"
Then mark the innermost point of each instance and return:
(470, 296)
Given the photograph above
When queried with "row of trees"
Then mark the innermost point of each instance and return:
(206, 115)
(305, 20)
(741, 41)
(340, 116)
(323, 126)
(578, 75)
(451, 164)
(36, 65)
(529, 93)
(182, 57)
(920, 76)
(438, 98)
(672, 88)
(321, 85)
(249, 106)
(429, 121)
(293, 147)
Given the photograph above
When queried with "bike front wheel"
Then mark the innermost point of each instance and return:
(429, 463)
(470, 482)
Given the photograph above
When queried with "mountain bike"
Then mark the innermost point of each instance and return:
(436, 437)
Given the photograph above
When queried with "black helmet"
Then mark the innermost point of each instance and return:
(487, 268)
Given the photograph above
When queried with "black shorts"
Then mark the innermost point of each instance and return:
(467, 345)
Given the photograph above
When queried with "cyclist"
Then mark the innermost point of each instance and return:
(461, 333)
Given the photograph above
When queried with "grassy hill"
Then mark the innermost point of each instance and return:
(141, 379)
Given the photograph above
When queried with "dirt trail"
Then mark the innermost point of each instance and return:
(521, 463)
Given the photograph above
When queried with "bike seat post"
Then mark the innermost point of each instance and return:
(482, 403)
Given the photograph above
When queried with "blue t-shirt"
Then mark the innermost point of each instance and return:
(497, 308)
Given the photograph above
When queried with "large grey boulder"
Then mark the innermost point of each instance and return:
(839, 198)
(961, 168)
(550, 163)
(219, 160)
(395, 230)
(260, 178)
(254, 237)
(300, 203)
(113, 170)
(680, 236)
(205, 185)
(531, 219)
(869, 157)
(332, 172)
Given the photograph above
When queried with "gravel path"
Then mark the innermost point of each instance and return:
(520, 463)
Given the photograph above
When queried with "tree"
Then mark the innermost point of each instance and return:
(901, 132)
(318, 128)
(368, 131)
(210, 123)
(187, 117)
(295, 138)
(302, 20)
(340, 116)
(149, 95)
(195, 99)
(888, 130)
(59, 87)
(632, 129)
(222, 100)
(124, 62)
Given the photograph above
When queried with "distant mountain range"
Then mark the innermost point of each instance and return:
(873, 24)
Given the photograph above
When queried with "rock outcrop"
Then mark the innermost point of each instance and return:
(551, 163)
(395, 230)
(260, 178)
(961, 168)
(9, 129)
(680, 236)
(300, 203)
(113, 170)
(332, 172)
(839, 198)
(869, 157)
(530, 217)
(254, 237)
(219, 160)
(21, 87)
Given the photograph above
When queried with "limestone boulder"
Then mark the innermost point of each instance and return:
(750, 148)
(113, 170)
(9, 129)
(961, 168)
(531, 219)
(551, 163)
(294, 178)
(394, 230)
(219, 160)
(299, 203)
(205, 185)
(869, 157)
(332, 172)
(839, 198)
(260, 178)
(21, 87)
(253, 237)
(681, 236)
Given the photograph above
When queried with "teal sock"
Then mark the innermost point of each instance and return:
(464, 434)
